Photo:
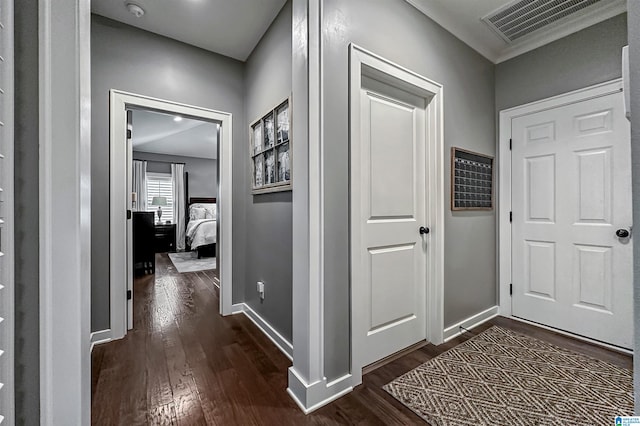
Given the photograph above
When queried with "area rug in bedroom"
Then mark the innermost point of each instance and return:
(188, 261)
(500, 377)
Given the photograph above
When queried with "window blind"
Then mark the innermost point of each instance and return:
(160, 185)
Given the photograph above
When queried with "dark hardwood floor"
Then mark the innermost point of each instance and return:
(183, 364)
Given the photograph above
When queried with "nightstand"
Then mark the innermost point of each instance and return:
(165, 237)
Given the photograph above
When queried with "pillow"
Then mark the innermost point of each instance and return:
(197, 213)
(211, 211)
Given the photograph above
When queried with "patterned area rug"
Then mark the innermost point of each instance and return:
(187, 261)
(500, 377)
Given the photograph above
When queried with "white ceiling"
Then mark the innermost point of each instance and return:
(159, 133)
(463, 18)
(234, 27)
(229, 27)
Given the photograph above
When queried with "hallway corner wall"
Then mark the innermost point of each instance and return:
(269, 216)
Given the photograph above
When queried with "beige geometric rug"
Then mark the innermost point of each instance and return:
(500, 377)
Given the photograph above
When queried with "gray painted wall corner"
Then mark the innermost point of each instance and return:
(269, 216)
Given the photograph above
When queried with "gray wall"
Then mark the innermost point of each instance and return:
(137, 61)
(397, 31)
(582, 59)
(27, 346)
(203, 172)
(633, 8)
(269, 216)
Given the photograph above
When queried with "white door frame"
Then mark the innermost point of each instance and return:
(120, 202)
(504, 174)
(363, 62)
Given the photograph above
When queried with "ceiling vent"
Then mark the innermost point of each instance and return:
(520, 18)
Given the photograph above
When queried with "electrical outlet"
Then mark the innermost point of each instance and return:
(260, 288)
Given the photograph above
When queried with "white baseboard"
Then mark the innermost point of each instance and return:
(310, 397)
(99, 337)
(473, 321)
(237, 308)
(281, 343)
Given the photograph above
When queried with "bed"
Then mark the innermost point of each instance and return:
(202, 226)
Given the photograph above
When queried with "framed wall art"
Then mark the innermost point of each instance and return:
(271, 150)
(471, 180)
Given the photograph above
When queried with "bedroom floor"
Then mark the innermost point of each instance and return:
(185, 364)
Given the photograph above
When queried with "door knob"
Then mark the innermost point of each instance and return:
(622, 233)
(424, 230)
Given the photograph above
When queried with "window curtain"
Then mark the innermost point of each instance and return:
(140, 185)
(179, 203)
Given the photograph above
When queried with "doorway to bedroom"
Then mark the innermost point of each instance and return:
(174, 188)
(169, 178)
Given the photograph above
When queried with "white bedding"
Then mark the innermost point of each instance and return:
(201, 232)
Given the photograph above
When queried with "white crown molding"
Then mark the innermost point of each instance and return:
(556, 31)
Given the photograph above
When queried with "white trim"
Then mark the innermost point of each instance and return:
(454, 331)
(7, 294)
(318, 394)
(278, 339)
(100, 337)
(237, 308)
(120, 202)
(361, 60)
(64, 211)
(504, 174)
(308, 203)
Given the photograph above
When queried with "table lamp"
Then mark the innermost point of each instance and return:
(159, 201)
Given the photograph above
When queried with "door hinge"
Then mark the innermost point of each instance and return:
(510, 144)
(510, 217)
(128, 294)
(510, 289)
(128, 133)
(128, 214)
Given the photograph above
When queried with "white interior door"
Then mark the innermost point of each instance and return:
(390, 265)
(571, 192)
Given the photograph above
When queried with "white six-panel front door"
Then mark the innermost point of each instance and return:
(571, 192)
(392, 286)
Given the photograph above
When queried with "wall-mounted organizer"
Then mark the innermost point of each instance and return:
(270, 150)
(471, 180)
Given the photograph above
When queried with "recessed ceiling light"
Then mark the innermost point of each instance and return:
(177, 119)
(135, 10)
